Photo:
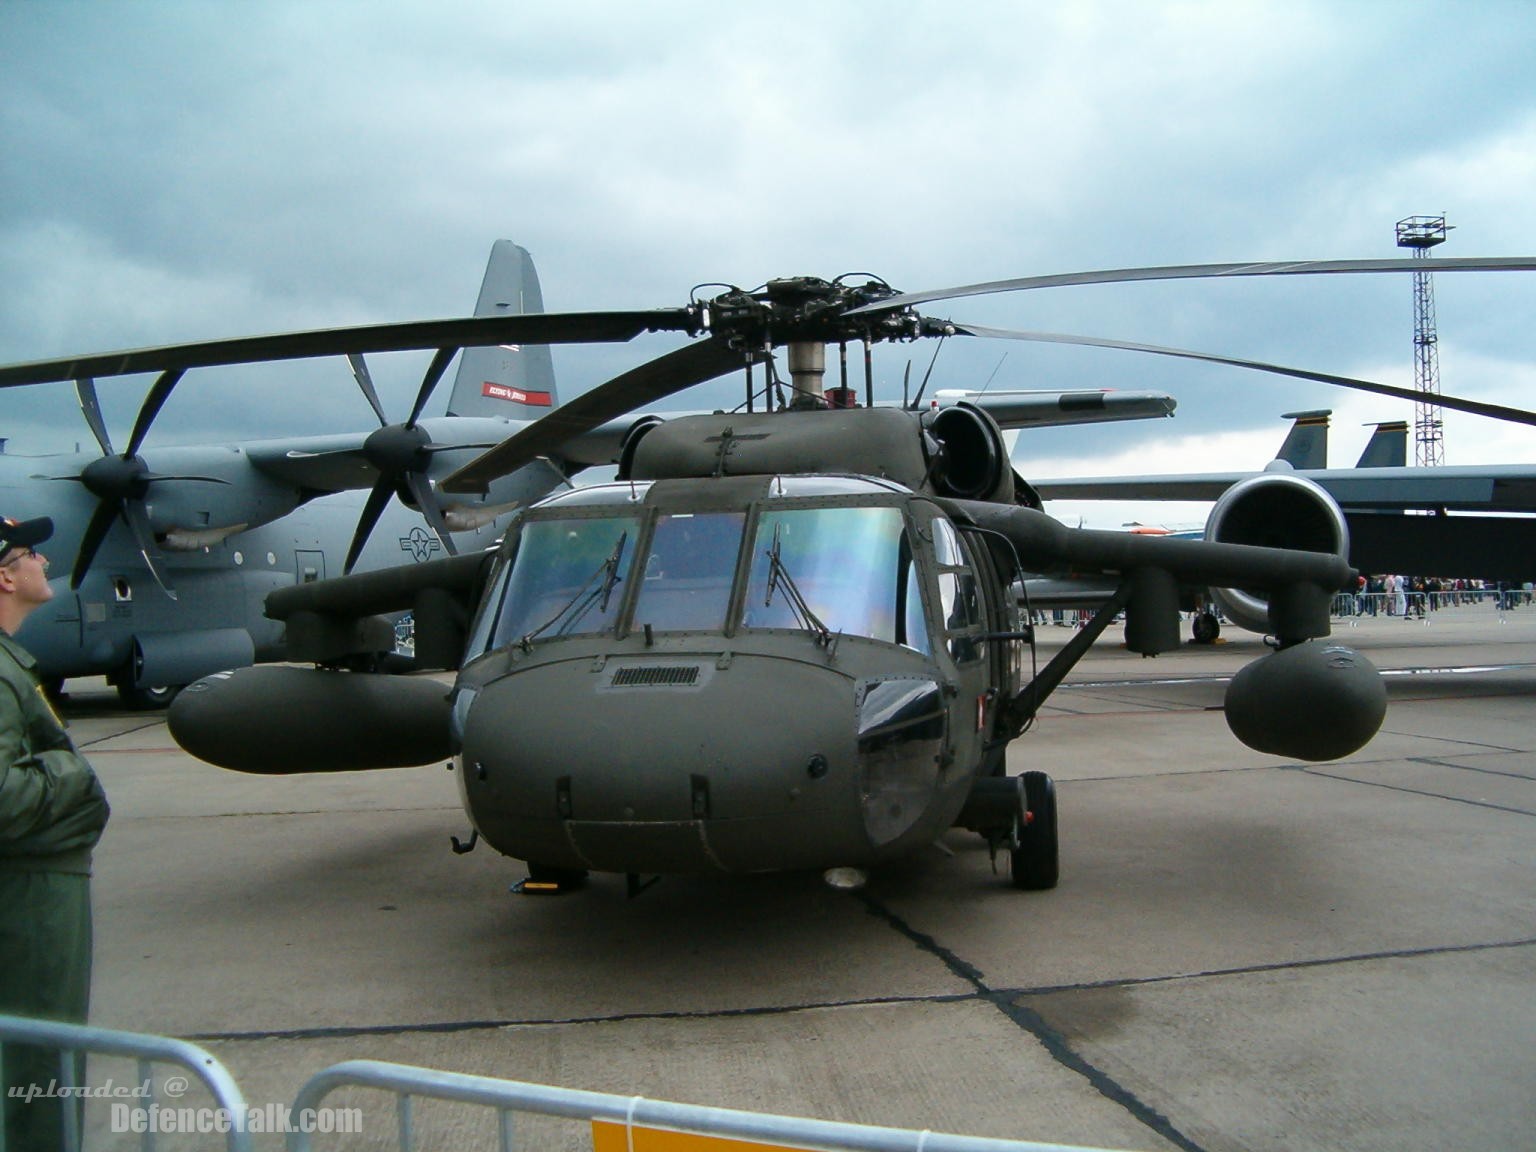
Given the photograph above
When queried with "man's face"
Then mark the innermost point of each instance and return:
(24, 573)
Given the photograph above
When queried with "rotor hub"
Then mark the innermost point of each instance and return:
(805, 309)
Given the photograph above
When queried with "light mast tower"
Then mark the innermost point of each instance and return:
(1421, 233)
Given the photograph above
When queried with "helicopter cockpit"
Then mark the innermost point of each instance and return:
(831, 556)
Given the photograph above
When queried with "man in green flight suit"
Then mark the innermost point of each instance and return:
(52, 811)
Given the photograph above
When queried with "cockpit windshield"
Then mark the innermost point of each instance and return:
(851, 567)
(568, 578)
(688, 571)
(828, 570)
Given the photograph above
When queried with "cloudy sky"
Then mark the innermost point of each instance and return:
(175, 171)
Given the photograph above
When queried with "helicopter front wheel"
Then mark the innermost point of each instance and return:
(1035, 858)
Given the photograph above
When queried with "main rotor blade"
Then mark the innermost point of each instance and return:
(372, 510)
(85, 389)
(1476, 407)
(465, 332)
(159, 393)
(651, 381)
(1202, 271)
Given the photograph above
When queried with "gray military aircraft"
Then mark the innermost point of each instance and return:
(171, 551)
(781, 638)
(1472, 520)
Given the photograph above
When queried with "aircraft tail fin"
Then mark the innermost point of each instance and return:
(1387, 447)
(1306, 444)
(507, 381)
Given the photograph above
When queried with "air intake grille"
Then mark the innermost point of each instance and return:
(664, 676)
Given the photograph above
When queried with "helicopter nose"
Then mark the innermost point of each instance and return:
(737, 763)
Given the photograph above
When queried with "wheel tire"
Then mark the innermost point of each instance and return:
(1036, 862)
(147, 699)
(1206, 628)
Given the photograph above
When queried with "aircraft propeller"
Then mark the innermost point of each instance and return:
(401, 453)
(120, 483)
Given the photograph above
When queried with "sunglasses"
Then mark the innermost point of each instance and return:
(22, 554)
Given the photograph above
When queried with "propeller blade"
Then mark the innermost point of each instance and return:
(1476, 407)
(426, 500)
(365, 382)
(435, 372)
(159, 393)
(465, 332)
(1202, 271)
(95, 532)
(652, 381)
(144, 536)
(372, 510)
(85, 389)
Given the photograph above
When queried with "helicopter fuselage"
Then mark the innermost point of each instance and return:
(735, 674)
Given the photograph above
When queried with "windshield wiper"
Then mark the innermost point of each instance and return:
(607, 573)
(779, 574)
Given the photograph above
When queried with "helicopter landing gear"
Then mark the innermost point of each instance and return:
(546, 881)
(1034, 856)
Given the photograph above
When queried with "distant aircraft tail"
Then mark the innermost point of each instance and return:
(1306, 444)
(1387, 447)
(507, 381)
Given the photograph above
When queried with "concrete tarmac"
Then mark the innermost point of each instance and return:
(1244, 952)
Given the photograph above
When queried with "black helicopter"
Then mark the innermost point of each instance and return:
(785, 637)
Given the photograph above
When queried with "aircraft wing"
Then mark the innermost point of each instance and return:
(1471, 488)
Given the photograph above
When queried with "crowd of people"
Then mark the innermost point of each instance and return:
(1412, 596)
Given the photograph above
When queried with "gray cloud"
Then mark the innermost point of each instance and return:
(185, 170)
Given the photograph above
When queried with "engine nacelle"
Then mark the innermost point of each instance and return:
(1275, 510)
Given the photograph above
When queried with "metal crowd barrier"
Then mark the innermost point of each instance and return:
(1353, 606)
(70, 1039)
(619, 1123)
(632, 1113)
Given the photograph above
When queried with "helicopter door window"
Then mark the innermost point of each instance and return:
(959, 597)
(568, 578)
(843, 563)
(689, 565)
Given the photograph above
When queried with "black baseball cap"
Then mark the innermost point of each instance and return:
(24, 533)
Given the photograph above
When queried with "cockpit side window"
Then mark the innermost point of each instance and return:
(959, 597)
(567, 578)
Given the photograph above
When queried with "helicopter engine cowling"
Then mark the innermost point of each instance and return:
(1311, 701)
(637, 432)
(970, 461)
(1276, 510)
(277, 721)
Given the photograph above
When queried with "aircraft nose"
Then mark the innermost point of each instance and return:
(667, 765)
